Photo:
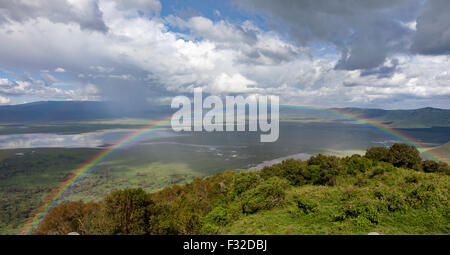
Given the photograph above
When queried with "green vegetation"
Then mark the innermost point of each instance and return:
(322, 195)
(26, 179)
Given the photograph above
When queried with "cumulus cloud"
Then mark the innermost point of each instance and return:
(85, 13)
(29, 87)
(421, 78)
(254, 45)
(333, 54)
(4, 100)
(365, 32)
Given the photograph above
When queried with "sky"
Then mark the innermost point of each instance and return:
(391, 54)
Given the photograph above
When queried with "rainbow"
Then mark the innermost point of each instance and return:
(53, 197)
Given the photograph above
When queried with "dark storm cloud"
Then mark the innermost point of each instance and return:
(382, 71)
(365, 32)
(86, 13)
(433, 28)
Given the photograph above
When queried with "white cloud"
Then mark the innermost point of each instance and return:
(139, 57)
(231, 83)
(4, 100)
(60, 70)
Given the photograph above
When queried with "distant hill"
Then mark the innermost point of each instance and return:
(72, 111)
(418, 118)
(90, 110)
(442, 151)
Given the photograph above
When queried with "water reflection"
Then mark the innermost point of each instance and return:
(83, 140)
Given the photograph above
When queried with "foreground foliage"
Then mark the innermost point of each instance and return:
(389, 190)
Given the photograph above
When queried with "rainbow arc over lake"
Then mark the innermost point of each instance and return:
(58, 192)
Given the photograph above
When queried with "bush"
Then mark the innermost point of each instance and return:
(290, 169)
(360, 182)
(378, 154)
(128, 211)
(411, 179)
(358, 211)
(430, 166)
(323, 170)
(245, 181)
(293, 170)
(392, 201)
(379, 170)
(66, 218)
(395, 202)
(443, 167)
(218, 216)
(356, 163)
(325, 162)
(404, 155)
(304, 205)
(425, 195)
(266, 195)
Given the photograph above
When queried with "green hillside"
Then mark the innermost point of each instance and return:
(395, 202)
(389, 190)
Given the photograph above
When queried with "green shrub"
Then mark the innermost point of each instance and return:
(378, 154)
(443, 167)
(319, 176)
(379, 170)
(356, 163)
(128, 211)
(246, 181)
(293, 171)
(404, 155)
(323, 170)
(304, 205)
(360, 182)
(411, 179)
(430, 166)
(69, 217)
(218, 216)
(354, 210)
(266, 195)
(424, 195)
(395, 202)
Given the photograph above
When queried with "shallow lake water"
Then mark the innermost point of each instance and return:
(232, 149)
(82, 140)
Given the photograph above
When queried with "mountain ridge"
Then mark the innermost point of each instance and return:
(44, 111)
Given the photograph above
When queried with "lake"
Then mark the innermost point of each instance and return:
(233, 149)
